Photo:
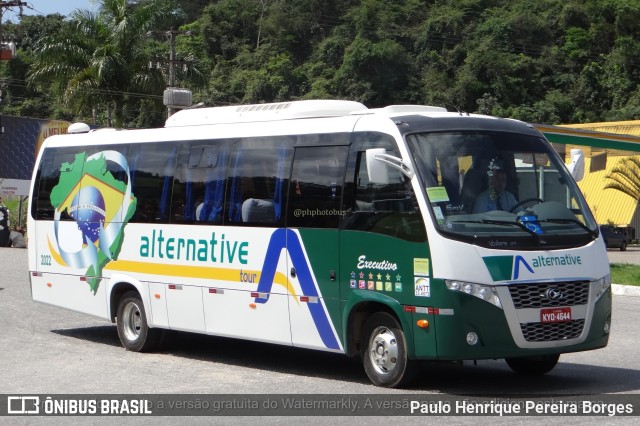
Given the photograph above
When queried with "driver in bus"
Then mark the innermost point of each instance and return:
(496, 197)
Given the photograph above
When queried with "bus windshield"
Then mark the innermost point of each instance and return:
(500, 190)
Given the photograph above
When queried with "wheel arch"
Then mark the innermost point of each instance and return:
(359, 307)
(121, 284)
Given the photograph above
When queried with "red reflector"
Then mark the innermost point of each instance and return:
(433, 311)
(255, 294)
(304, 298)
(213, 290)
(172, 286)
(34, 274)
(409, 308)
(83, 278)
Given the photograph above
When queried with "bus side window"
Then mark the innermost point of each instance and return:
(258, 177)
(389, 209)
(316, 187)
(151, 168)
(199, 187)
(48, 177)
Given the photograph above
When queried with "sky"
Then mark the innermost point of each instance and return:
(46, 7)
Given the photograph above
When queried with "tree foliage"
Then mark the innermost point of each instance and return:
(105, 65)
(545, 61)
(625, 177)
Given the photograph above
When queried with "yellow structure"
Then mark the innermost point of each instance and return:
(609, 206)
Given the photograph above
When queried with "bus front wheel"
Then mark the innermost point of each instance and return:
(133, 330)
(533, 366)
(384, 352)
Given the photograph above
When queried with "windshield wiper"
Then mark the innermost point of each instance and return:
(506, 223)
(593, 233)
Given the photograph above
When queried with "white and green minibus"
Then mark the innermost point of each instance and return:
(326, 225)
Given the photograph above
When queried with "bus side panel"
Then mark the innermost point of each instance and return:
(56, 282)
(69, 291)
(235, 313)
(315, 307)
(184, 304)
(158, 304)
(392, 267)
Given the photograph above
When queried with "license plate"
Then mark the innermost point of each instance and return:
(555, 315)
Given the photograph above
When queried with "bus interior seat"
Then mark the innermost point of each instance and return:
(474, 182)
(257, 210)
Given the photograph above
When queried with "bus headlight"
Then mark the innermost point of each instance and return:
(602, 286)
(487, 293)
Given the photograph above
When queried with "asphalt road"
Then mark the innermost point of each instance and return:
(47, 350)
(630, 255)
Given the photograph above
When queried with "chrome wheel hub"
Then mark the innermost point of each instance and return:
(383, 350)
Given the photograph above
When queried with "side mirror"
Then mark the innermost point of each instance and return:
(378, 162)
(377, 170)
(576, 167)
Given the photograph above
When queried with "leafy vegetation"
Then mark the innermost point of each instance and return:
(545, 61)
(16, 219)
(625, 273)
(625, 177)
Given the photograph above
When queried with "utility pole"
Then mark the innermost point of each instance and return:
(6, 5)
(172, 35)
(7, 51)
(173, 96)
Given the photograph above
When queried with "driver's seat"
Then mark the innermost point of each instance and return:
(474, 182)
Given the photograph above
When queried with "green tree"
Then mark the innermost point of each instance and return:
(18, 98)
(105, 64)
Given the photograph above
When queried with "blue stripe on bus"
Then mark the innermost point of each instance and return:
(287, 239)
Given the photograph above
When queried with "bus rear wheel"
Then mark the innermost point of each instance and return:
(135, 335)
(533, 366)
(384, 352)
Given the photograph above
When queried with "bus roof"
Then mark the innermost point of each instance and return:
(285, 111)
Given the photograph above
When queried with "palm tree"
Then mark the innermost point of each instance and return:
(625, 177)
(100, 60)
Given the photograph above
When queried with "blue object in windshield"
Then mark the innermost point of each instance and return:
(531, 222)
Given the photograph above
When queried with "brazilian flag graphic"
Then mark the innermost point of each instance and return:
(101, 206)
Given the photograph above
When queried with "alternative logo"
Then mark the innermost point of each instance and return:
(503, 268)
(520, 262)
(100, 205)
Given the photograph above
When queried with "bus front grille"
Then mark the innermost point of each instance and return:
(540, 332)
(549, 295)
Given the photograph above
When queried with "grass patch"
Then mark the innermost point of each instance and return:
(12, 203)
(625, 273)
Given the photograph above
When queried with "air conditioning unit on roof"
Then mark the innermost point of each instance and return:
(177, 98)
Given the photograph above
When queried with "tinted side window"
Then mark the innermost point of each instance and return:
(199, 188)
(152, 168)
(54, 162)
(389, 209)
(316, 187)
(69, 179)
(47, 177)
(258, 180)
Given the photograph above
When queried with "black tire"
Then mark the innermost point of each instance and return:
(623, 246)
(533, 366)
(384, 352)
(135, 335)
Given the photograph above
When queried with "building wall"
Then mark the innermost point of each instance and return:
(19, 144)
(610, 205)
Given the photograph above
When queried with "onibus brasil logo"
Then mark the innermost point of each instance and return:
(101, 206)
